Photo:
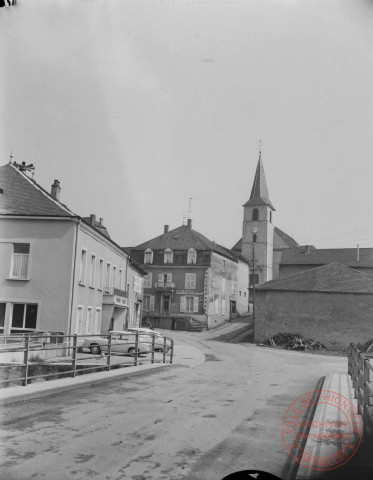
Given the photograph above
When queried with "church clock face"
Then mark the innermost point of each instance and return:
(254, 229)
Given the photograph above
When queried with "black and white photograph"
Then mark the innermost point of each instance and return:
(186, 239)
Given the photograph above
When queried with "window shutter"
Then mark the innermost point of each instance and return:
(182, 304)
(195, 304)
(169, 277)
(152, 297)
(187, 280)
(160, 278)
(193, 280)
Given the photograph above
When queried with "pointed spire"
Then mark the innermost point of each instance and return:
(259, 193)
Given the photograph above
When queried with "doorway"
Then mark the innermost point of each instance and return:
(165, 305)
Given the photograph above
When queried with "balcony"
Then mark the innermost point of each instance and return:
(165, 286)
(115, 296)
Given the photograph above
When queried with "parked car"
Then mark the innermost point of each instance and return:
(121, 342)
(146, 333)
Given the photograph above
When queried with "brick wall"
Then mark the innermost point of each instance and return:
(334, 319)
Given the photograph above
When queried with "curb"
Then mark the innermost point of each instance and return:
(52, 387)
(291, 467)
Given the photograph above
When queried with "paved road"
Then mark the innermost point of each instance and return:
(178, 423)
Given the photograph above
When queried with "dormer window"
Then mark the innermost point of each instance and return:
(148, 256)
(168, 256)
(192, 256)
(255, 214)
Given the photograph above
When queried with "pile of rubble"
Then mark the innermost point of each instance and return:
(293, 341)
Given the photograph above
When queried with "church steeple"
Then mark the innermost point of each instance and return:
(259, 192)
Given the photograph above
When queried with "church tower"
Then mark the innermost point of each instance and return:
(258, 227)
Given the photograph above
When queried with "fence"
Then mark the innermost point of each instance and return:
(66, 354)
(360, 369)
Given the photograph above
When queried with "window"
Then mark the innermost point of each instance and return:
(83, 261)
(148, 304)
(223, 306)
(137, 283)
(20, 260)
(89, 320)
(192, 256)
(270, 216)
(92, 272)
(120, 279)
(168, 256)
(223, 284)
(254, 238)
(115, 277)
(2, 316)
(107, 276)
(148, 280)
(98, 321)
(252, 278)
(255, 214)
(24, 316)
(148, 256)
(190, 280)
(164, 278)
(100, 273)
(79, 320)
(216, 306)
(189, 304)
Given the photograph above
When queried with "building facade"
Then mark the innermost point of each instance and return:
(59, 271)
(190, 277)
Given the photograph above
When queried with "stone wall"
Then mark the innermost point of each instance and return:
(334, 319)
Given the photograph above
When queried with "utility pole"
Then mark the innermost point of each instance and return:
(253, 292)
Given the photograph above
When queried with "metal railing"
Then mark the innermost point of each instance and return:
(360, 369)
(69, 351)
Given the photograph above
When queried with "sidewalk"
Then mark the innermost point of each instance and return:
(184, 356)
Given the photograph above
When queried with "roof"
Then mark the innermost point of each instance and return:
(333, 277)
(286, 238)
(323, 256)
(259, 192)
(23, 196)
(183, 238)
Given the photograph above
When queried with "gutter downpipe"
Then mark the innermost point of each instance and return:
(77, 224)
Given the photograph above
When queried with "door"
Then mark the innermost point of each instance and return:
(166, 304)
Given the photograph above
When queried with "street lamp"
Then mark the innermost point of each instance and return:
(254, 230)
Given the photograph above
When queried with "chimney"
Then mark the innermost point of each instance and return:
(189, 224)
(101, 221)
(166, 227)
(56, 190)
(358, 254)
(92, 219)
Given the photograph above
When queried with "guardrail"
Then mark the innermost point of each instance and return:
(68, 351)
(360, 369)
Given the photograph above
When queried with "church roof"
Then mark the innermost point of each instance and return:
(183, 238)
(285, 237)
(323, 256)
(259, 192)
(333, 277)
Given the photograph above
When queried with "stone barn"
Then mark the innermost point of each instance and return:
(332, 304)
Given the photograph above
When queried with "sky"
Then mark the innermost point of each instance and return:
(137, 105)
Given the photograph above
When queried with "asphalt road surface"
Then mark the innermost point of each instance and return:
(178, 423)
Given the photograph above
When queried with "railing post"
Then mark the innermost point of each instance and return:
(26, 358)
(164, 350)
(108, 361)
(366, 394)
(153, 347)
(73, 361)
(136, 348)
(172, 351)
